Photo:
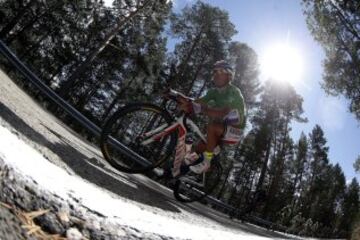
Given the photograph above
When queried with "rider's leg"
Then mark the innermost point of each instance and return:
(200, 147)
(215, 132)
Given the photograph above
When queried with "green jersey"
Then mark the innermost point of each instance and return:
(227, 97)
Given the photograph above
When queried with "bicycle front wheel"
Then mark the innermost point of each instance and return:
(128, 126)
(194, 187)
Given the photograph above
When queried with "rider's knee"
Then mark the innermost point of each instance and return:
(216, 128)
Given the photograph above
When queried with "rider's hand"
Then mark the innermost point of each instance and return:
(190, 107)
(185, 104)
(166, 94)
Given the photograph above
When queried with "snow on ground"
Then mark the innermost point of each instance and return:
(32, 165)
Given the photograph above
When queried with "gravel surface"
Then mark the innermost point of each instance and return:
(20, 196)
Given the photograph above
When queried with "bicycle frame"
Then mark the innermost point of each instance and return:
(164, 130)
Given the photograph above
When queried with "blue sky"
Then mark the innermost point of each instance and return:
(263, 23)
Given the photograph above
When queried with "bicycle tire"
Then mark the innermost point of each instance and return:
(126, 127)
(187, 192)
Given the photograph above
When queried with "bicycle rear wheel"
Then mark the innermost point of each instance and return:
(194, 187)
(127, 126)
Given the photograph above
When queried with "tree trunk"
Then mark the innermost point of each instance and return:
(33, 21)
(116, 99)
(33, 46)
(279, 168)
(23, 29)
(232, 195)
(182, 65)
(221, 191)
(264, 167)
(7, 29)
(85, 99)
(201, 90)
(195, 76)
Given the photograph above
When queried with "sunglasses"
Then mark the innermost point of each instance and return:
(219, 71)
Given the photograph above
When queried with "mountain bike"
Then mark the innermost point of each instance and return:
(152, 137)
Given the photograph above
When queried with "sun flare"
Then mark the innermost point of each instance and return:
(282, 63)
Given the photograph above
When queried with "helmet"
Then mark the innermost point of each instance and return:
(224, 65)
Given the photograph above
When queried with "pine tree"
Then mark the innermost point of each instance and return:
(246, 71)
(204, 32)
(335, 25)
(279, 105)
(297, 171)
(350, 208)
(357, 164)
(140, 7)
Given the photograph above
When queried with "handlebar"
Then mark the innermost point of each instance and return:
(175, 95)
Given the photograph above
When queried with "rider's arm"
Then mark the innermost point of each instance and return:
(209, 111)
(200, 106)
(213, 112)
(216, 112)
(229, 115)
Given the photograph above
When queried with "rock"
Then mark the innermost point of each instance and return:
(10, 227)
(50, 224)
(92, 223)
(63, 217)
(74, 234)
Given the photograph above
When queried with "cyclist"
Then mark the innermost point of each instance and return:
(225, 107)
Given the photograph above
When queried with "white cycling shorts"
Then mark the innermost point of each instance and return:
(232, 135)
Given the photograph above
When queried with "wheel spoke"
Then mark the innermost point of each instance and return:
(128, 127)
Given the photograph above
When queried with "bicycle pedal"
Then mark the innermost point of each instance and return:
(159, 172)
(162, 173)
(191, 180)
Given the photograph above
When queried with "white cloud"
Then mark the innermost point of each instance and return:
(332, 113)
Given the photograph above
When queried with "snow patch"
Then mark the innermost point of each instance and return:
(31, 164)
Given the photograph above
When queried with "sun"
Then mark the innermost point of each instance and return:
(283, 63)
